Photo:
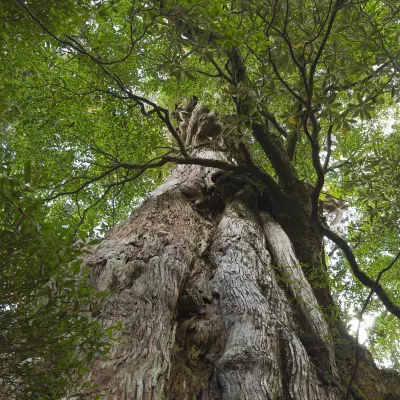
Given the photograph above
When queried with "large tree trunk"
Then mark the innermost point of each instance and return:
(213, 301)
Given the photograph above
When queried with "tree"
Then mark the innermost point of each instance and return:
(222, 281)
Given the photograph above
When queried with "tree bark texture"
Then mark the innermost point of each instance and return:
(213, 301)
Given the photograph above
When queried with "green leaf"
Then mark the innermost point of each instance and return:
(27, 171)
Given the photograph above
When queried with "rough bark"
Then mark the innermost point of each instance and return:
(212, 298)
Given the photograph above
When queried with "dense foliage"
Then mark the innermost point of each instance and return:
(47, 337)
(87, 93)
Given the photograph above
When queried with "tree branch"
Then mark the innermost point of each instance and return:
(271, 118)
(359, 274)
(270, 143)
(280, 78)
(333, 88)
(364, 308)
(329, 148)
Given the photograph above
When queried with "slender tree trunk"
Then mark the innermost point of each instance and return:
(213, 301)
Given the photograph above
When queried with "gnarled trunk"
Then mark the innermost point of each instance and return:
(213, 301)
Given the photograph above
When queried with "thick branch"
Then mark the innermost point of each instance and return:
(158, 162)
(275, 152)
(358, 273)
(313, 139)
(313, 67)
(364, 308)
(270, 143)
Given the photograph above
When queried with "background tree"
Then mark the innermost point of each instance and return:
(213, 301)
